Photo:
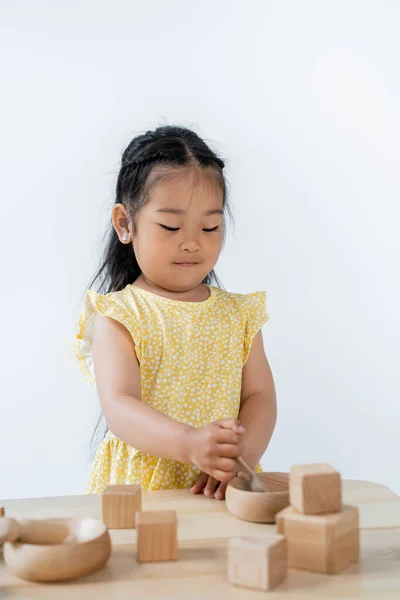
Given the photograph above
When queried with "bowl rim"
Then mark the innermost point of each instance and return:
(63, 520)
(286, 491)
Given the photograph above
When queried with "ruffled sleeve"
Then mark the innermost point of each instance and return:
(115, 305)
(255, 316)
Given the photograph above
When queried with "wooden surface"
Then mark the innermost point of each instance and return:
(204, 525)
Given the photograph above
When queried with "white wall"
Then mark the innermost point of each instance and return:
(302, 98)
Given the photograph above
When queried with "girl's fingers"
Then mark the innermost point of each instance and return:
(231, 424)
(227, 436)
(229, 450)
(224, 476)
(199, 483)
(228, 465)
(220, 493)
(211, 486)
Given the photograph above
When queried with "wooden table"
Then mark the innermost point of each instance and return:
(203, 528)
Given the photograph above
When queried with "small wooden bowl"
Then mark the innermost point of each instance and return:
(258, 507)
(84, 551)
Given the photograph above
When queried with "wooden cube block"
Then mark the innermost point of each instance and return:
(120, 505)
(322, 543)
(257, 563)
(157, 535)
(315, 489)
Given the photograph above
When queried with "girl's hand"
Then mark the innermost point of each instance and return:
(215, 447)
(210, 486)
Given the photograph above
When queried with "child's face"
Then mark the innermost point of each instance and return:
(189, 205)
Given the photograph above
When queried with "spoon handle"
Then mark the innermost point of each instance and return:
(245, 466)
(255, 484)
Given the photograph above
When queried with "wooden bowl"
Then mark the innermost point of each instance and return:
(84, 551)
(258, 507)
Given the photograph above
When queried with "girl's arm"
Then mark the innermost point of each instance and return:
(257, 414)
(258, 409)
(212, 448)
(118, 385)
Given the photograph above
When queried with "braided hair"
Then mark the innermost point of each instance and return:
(166, 146)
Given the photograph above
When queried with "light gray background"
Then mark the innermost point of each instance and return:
(302, 99)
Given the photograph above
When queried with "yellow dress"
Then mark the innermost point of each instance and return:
(191, 356)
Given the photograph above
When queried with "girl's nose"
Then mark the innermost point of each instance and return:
(190, 244)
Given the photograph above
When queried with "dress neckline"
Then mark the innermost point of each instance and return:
(172, 301)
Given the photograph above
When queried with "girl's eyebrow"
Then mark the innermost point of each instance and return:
(178, 211)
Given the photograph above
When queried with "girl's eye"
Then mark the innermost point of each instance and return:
(177, 228)
(169, 228)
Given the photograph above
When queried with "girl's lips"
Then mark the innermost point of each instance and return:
(193, 264)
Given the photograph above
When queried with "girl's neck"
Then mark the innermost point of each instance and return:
(197, 294)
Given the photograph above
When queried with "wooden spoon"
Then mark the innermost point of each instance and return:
(255, 483)
(31, 531)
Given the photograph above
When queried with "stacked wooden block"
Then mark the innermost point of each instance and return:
(315, 533)
(322, 535)
(156, 530)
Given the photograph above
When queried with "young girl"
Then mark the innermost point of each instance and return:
(179, 364)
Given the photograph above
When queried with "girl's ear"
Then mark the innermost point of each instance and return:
(121, 223)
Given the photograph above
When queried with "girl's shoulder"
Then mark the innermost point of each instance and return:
(249, 312)
(118, 305)
(242, 302)
(107, 302)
